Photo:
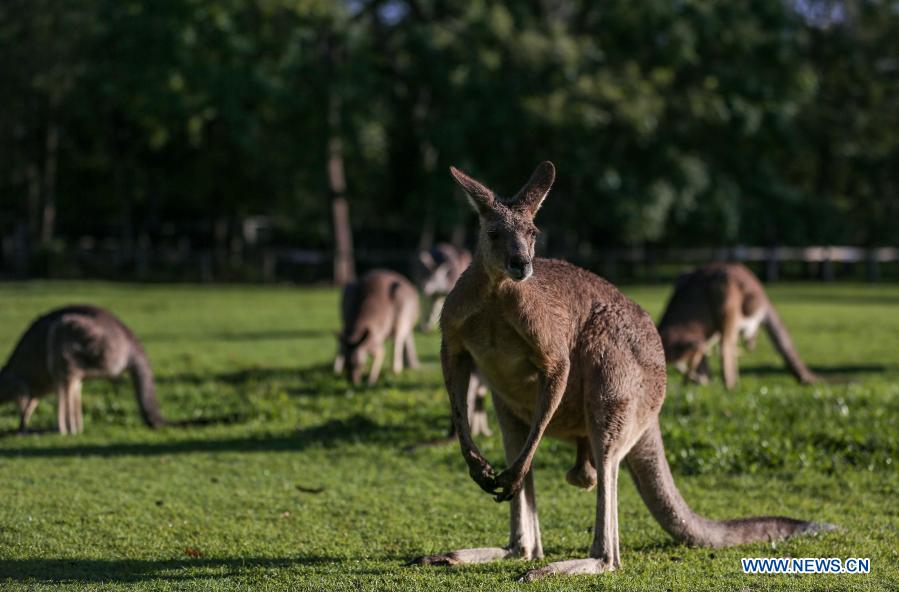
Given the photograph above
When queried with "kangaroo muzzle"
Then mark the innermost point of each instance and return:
(519, 268)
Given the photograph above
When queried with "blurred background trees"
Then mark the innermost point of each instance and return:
(209, 124)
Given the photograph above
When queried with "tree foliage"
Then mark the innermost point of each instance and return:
(671, 123)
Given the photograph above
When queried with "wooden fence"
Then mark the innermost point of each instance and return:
(105, 259)
(823, 259)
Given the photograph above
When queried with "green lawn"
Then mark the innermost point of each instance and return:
(233, 501)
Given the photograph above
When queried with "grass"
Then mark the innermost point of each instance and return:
(287, 479)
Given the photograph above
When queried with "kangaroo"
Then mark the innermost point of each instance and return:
(722, 302)
(382, 305)
(443, 265)
(567, 355)
(66, 346)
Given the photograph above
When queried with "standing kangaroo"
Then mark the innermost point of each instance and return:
(722, 301)
(66, 346)
(383, 305)
(443, 265)
(567, 355)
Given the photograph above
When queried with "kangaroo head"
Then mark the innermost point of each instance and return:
(11, 387)
(353, 354)
(679, 348)
(507, 234)
(437, 280)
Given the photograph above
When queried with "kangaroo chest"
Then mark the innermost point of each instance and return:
(505, 359)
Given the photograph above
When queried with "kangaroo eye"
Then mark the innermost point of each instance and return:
(492, 234)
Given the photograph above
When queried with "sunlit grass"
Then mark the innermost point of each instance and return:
(287, 479)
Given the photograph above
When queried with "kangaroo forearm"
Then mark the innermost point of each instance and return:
(457, 370)
(554, 384)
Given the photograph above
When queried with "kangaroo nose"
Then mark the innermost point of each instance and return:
(519, 267)
(517, 262)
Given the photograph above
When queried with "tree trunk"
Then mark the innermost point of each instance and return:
(344, 267)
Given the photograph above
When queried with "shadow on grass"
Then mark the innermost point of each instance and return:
(313, 380)
(96, 571)
(245, 376)
(231, 418)
(858, 298)
(328, 434)
(269, 335)
(829, 371)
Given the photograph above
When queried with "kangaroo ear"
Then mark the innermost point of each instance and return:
(480, 198)
(427, 260)
(531, 196)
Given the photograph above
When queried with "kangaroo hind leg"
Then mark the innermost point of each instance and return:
(612, 420)
(410, 353)
(477, 398)
(27, 405)
(76, 421)
(376, 362)
(524, 527)
(729, 337)
(62, 409)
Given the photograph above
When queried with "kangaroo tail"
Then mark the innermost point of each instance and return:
(784, 345)
(650, 471)
(144, 387)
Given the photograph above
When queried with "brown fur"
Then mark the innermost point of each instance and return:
(382, 305)
(722, 302)
(566, 355)
(443, 265)
(63, 348)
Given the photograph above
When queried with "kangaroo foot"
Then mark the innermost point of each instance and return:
(810, 378)
(464, 556)
(572, 567)
(699, 378)
(479, 425)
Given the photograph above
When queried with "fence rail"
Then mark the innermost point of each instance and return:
(107, 260)
(825, 257)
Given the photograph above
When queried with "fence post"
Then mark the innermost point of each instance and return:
(268, 266)
(771, 265)
(873, 266)
(827, 272)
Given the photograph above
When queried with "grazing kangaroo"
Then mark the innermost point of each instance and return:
(66, 346)
(566, 355)
(382, 305)
(443, 265)
(722, 301)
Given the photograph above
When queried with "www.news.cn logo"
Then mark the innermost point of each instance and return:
(805, 565)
